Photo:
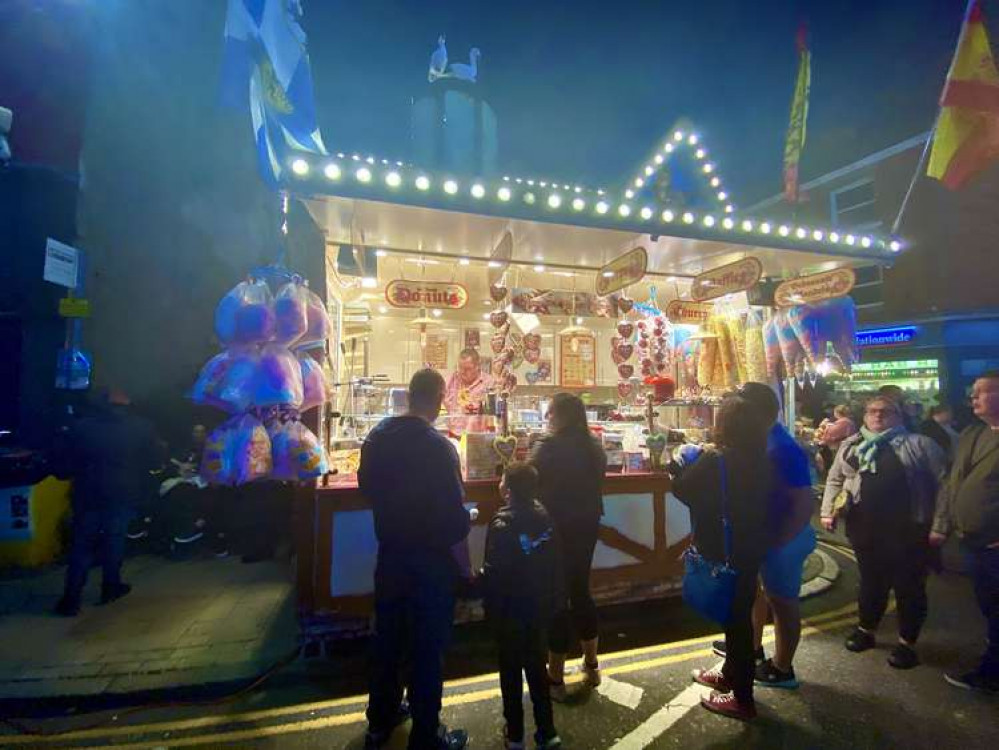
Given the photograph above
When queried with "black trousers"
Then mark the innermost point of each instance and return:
(895, 558)
(740, 660)
(577, 543)
(415, 624)
(97, 532)
(522, 650)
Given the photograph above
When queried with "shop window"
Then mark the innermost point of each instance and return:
(854, 206)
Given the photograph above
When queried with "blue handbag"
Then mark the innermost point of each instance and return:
(708, 586)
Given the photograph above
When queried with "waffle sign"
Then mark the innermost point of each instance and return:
(623, 271)
(735, 277)
(808, 290)
(438, 294)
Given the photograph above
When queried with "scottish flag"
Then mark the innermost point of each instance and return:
(265, 66)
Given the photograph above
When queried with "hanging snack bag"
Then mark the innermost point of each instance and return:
(245, 315)
(314, 385)
(296, 452)
(207, 389)
(756, 356)
(237, 452)
(278, 380)
(291, 317)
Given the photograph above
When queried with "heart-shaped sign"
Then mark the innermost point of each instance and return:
(625, 371)
(532, 355)
(625, 350)
(498, 318)
(625, 329)
(497, 342)
(656, 443)
(616, 356)
(498, 292)
(624, 305)
(616, 341)
(624, 390)
(532, 341)
(505, 447)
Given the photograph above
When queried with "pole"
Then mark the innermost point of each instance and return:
(929, 141)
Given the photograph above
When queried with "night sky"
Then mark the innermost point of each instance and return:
(584, 90)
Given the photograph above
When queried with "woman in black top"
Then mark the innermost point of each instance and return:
(571, 466)
(741, 437)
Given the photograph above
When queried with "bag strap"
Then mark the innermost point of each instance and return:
(726, 521)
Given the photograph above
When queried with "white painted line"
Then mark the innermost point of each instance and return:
(621, 693)
(656, 725)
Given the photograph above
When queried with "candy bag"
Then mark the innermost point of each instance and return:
(296, 452)
(235, 392)
(319, 326)
(207, 389)
(245, 315)
(291, 318)
(237, 452)
(314, 386)
(278, 378)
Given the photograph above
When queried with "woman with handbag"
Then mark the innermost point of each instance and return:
(885, 481)
(727, 491)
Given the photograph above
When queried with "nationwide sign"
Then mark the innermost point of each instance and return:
(692, 313)
(438, 294)
(886, 336)
(807, 290)
(735, 277)
(623, 271)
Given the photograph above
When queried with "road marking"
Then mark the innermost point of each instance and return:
(621, 693)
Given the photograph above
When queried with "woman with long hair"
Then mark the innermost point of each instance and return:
(738, 471)
(571, 464)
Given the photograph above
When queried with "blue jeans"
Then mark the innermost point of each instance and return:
(99, 532)
(984, 566)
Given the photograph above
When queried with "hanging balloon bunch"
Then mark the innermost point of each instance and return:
(266, 378)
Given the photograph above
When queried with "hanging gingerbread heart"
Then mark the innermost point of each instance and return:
(497, 342)
(498, 318)
(533, 377)
(532, 355)
(505, 447)
(498, 292)
(498, 368)
(616, 356)
(616, 341)
(624, 390)
(626, 350)
(625, 371)
(624, 305)
(509, 382)
(532, 341)
(662, 367)
(625, 329)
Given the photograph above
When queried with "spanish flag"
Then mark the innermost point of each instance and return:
(967, 133)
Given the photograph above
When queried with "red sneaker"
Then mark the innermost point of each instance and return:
(712, 678)
(726, 704)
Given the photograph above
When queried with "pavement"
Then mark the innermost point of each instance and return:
(185, 623)
(845, 701)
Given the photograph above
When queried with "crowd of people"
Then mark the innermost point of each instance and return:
(901, 493)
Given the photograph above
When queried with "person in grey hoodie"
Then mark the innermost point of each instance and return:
(885, 479)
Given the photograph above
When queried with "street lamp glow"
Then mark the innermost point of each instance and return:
(503, 194)
(554, 200)
(363, 174)
(478, 191)
(300, 167)
(332, 172)
(392, 179)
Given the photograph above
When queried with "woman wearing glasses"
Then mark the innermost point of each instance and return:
(885, 481)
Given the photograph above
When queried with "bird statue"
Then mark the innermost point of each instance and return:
(467, 72)
(438, 61)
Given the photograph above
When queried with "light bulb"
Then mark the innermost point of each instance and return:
(722, 195)
(503, 194)
(765, 228)
(529, 199)
(578, 204)
(602, 207)
(478, 191)
(658, 159)
(895, 246)
(380, 253)
(646, 213)
(629, 193)
(437, 313)
(728, 223)
(667, 215)
(392, 179)
(624, 209)
(678, 136)
(834, 236)
(463, 261)
(300, 167)
(688, 218)
(747, 226)
(801, 233)
(709, 221)
(817, 235)
(539, 269)
(783, 230)
(715, 182)
(639, 182)
(450, 187)
(865, 242)
(332, 172)
(649, 171)
(369, 282)
(422, 183)
(700, 153)
(851, 240)
(554, 200)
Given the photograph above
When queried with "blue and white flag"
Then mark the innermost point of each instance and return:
(265, 66)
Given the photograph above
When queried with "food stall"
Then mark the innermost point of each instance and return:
(518, 288)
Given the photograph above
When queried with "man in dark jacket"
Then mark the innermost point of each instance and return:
(411, 475)
(523, 585)
(108, 454)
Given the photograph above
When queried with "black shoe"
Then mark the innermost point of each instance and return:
(375, 738)
(974, 681)
(903, 657)
(860, 640)
(549, 741)
(67, 607)
(719, 648)
(447, 739)
(768, 674)
(114, 593)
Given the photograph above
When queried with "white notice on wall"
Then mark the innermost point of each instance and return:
(62, 263)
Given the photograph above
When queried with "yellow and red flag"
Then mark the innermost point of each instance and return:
(966, 140)
(795, 142)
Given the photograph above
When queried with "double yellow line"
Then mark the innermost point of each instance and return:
(690, 649)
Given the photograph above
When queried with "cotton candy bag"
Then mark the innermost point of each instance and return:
(237, 452)
(291, 317)
(319, 325)
(278, 380)
(245, 315)
(296, 452)
(314, 385)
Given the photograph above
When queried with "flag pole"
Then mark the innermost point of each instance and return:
(921, 166)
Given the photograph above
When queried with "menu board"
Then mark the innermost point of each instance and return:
(577, 360)
(436, 351)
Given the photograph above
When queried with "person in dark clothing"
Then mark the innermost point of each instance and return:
(571, 465)
(522, 584)
(108, 455)
(939, 427)
(888, 479)
(411, 475)
(740, 470)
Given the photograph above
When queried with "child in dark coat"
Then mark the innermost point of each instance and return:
(522, 587)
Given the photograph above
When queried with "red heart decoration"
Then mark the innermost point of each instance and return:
(616, 356)
(498, 318)
(532, 355)
(497, 343)
(498, 292)
(624, 305)
(624, 390)
(626, 350)
(659, 356)
(661, 368)
(625, 371)
(532, 341)
(625, 329)
(616, 341)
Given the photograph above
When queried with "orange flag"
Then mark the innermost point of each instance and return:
(966, 139)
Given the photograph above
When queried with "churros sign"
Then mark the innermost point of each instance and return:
(401, 293)
(735, 277)
(691, 313)
(807, 290)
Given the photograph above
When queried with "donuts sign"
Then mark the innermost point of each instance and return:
(439, 294)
